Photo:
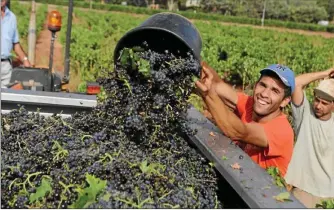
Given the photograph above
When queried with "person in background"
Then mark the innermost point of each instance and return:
(311, 170)
(254, 120)
(9, 41)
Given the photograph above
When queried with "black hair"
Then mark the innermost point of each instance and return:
(287, 90)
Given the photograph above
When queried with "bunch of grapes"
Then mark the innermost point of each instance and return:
(131, 151)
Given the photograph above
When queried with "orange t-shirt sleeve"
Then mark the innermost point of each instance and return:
(278, 138)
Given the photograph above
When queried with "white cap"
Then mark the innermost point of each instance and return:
(325, 90)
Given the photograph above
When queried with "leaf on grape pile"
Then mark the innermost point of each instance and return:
(106, 196)
(125, 56)
(194, 78)
(41, 191)
(149, 169)
(285, 196)
(144, 67)
(138, 49)
(143, 166)
(88, 195)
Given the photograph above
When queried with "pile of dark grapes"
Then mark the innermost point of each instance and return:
(131, 151)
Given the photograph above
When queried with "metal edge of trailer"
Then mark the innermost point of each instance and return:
(54, 98)
(46, 103)
(253, 184)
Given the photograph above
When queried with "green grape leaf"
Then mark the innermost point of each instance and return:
(144, 67)
(144, 166)
(41, 191)
(88, 195)
(106, 196)
(125, 56)
(285, 196)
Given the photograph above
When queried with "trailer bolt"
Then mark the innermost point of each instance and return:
(241, 157)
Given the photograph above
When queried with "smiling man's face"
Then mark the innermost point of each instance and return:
(269, 95)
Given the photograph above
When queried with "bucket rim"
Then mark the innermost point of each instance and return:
(143, 28)
(176, 14)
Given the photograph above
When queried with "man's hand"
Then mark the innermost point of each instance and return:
(216, 77)
(303, 80)
(330, 72)
(26, 63)
(20, 54)
(206, 81)
(229, 123)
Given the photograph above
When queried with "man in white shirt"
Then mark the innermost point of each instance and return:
(311, 169)
(9, 42)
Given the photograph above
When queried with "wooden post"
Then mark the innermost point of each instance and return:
(32, 34)
(263, 13)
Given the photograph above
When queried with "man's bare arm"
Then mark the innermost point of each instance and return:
(232, 126)
(20, 53)
(227, 94)
(304, 79)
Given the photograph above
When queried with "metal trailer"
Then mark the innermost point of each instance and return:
(47, 103)
(253, 184)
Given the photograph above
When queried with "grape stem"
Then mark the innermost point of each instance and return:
(60, 153)
(24, 183)
(66, 189)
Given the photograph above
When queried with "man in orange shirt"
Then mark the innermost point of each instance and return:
(258, 122)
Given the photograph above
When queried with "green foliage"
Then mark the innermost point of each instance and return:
(88, 195)
(41, 191)
(93, 39)
(95, 35)
(196, 101)
(22, 13)
(288, 10)
(275, 174)
(326, 204)
(282, 197)
(207, 16)
(82, 88)
(152, 168)
(249, 50)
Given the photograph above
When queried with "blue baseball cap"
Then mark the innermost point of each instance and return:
(284, 73)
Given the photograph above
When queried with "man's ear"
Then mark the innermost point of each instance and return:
(285, 102)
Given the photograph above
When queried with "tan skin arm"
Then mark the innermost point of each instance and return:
(224, 91)
(227, 121)
(20, 53)
(304, 79)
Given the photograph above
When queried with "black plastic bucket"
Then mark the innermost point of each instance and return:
(164, 31)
